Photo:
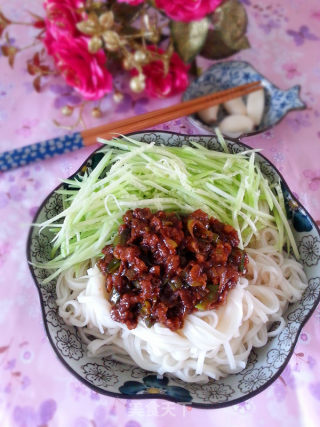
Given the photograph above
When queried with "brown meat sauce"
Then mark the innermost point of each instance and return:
(164, 266)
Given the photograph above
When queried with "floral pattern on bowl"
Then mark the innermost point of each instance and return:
(228, 74)
(120, 380)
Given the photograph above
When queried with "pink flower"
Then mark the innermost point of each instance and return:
(4, 251)
(187, 10)
(62, 17)
(131, 2)
(316, 14)
(314, 178)
(27, 127)
(160, 85)
(84, 71)
(291, 70)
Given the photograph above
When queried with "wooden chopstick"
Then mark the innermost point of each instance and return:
(62, 144)
(166, 114)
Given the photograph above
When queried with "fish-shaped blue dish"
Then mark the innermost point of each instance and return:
(224, 75)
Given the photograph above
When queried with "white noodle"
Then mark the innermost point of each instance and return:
(212, 344)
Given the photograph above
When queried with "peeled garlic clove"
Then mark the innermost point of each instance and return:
(255, 106)
(236, 124)
(209, 115)
(235, 106)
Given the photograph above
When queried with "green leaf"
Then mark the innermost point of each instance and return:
(189, 37)
(216, 48)
(228, 36)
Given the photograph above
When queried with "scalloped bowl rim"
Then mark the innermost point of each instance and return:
(161, 396)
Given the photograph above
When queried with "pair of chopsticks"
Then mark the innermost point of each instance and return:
(52, 147)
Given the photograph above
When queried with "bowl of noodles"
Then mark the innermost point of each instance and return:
(175, 267)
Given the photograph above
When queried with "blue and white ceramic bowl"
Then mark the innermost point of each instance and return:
(228, 74)
(119, 380)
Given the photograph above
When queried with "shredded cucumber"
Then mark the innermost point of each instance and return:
(134, 174)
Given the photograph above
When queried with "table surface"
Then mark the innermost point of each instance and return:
(35, 389)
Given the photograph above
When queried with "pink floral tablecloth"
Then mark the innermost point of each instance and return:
(35, 389)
